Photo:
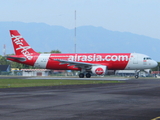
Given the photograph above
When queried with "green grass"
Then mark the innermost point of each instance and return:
(12, 83)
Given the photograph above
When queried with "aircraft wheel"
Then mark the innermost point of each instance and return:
(88, 75)
(136, 76)
(81, 75)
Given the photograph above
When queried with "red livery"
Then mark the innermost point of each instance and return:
(90, 63)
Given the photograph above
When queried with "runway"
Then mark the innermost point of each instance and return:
(76, 78)
(66, 78)
(132, 100)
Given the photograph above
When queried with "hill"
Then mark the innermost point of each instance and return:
(89, 39)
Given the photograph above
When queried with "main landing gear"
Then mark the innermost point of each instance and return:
(88, 75)
(81, 75)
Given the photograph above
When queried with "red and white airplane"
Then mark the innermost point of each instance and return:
(90, 63)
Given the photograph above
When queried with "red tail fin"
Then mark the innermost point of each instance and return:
(21, 47)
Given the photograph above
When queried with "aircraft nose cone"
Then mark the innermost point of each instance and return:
(154, 64)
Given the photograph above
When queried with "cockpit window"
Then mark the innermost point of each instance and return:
(147, 58)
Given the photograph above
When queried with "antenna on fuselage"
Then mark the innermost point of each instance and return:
(75, 34)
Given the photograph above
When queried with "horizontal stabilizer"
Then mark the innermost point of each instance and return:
(17, 58)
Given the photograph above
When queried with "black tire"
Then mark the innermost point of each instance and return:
(136, 76)
(88, 75)
(81, 75)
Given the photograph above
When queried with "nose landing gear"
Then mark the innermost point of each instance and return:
(136, 76)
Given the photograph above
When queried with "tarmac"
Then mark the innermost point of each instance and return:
(132, 100)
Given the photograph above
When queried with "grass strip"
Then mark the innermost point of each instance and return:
(13, 83)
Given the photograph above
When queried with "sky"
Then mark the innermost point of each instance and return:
(136, 16)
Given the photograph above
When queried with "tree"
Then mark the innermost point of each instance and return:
(55, 51)
(4, 61)
(52, 51)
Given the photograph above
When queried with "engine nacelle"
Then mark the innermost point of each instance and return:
(99, 70)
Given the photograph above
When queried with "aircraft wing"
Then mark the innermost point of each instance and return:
(77, 64)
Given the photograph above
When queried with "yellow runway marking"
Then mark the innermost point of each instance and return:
(157, 118)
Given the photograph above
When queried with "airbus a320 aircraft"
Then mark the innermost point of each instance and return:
(88, 64)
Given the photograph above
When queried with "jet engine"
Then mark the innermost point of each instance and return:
(99, 70)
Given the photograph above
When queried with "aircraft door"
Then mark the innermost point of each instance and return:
(135, 59)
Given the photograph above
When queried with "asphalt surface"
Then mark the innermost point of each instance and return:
(77, 78)
(66, 78)
(133, 100)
